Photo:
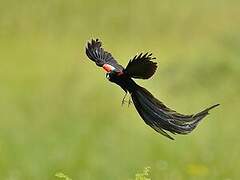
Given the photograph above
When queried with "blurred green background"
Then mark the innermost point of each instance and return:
(58, 112)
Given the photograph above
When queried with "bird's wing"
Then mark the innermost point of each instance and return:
(97, 54)
(141, 66)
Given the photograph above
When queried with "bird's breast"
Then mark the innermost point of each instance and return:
(126, 83)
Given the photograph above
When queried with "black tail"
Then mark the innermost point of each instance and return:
(161, 118)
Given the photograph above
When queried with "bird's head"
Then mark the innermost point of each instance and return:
(111, 71)
(108, 68)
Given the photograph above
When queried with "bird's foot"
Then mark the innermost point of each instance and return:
(129, 101)
(124, 101)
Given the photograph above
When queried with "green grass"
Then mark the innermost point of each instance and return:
(139, 176)
(58, 113)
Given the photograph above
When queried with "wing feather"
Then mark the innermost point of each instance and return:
(96, 53)
(141, 66)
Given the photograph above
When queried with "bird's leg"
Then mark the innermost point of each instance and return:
(129, 101)
(123, 100)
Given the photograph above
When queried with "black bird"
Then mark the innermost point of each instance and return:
(153, 112)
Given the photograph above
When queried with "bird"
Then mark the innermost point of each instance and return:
(154, 113)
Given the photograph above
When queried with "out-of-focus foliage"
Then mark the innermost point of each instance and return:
(143, 175)
(59, 113)
(62, 176)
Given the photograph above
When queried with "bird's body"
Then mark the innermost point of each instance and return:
(153, 112)
(125, 82)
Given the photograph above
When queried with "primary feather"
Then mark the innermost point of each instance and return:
(97, 54)
(141, 66)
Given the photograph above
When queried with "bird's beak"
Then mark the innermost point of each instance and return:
(108, 68)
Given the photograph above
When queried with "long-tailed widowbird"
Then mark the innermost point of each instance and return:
(153, 112)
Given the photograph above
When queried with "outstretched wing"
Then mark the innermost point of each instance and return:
(97, 54)
(141, 66)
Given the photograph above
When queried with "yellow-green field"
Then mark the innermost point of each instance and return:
(58, 112)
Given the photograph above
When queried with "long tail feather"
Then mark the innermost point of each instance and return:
(162, 118)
